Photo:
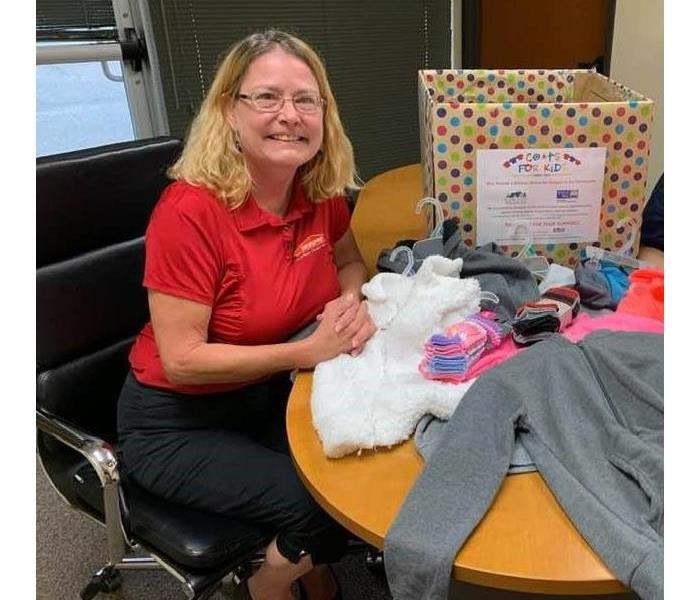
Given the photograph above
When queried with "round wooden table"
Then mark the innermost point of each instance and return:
(525, 542)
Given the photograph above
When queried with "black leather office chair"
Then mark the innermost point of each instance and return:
(92, 210)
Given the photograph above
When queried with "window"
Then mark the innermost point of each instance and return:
(79, 105)
(95, 82)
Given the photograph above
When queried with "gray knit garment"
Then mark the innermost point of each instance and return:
(429, 433)
(590, 414)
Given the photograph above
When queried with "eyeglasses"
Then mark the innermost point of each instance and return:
(270, 102)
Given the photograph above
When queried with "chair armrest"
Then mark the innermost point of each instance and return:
(97, 451)
(103, 459)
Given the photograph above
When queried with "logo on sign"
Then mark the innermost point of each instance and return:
(567, 194)
(517, 197)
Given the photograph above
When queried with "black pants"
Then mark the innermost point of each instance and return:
(226, 453)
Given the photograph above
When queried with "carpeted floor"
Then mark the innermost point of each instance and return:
(70, 547)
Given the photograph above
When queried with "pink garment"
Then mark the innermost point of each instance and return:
(494, 357)
(585, 324)
(582, 325)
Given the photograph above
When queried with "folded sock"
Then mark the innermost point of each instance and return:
(449, 356)
(566, 294)
(535, 321)
(570, 304)
(471, 335)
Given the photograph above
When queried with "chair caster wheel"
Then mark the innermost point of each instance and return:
(374, 559)
(105, 580)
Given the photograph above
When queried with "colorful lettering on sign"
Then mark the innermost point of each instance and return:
(542, 162)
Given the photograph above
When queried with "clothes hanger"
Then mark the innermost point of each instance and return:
(537, 265)
(622, 258)
(490, 296)
(408, 269)
(433, 243)
(439, 215)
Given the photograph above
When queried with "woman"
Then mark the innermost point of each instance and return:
(247, 246)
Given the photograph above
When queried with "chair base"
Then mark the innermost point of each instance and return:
(108, 579)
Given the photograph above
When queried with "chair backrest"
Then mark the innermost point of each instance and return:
(92, 211)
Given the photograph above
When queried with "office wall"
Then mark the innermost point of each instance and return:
(638, 61)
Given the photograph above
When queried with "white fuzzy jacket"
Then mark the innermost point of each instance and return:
(377, 398)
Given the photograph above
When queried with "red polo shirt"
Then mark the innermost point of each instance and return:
(263, 276)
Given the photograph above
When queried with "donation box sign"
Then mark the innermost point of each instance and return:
(548, 196)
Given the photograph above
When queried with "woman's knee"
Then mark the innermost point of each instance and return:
(297, 508)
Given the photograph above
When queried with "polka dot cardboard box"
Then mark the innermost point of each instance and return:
(545, 120)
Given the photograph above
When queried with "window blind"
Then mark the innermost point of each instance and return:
(372, 49)
(61, 20)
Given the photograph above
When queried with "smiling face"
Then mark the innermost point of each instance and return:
(277, 140)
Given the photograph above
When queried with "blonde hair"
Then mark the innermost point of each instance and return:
(211, 156)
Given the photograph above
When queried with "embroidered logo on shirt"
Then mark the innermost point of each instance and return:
(311, 243)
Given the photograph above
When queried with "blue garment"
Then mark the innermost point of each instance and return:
(618, 281)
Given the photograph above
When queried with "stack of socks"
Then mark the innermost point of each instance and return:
(450, 355)
(538, 320)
